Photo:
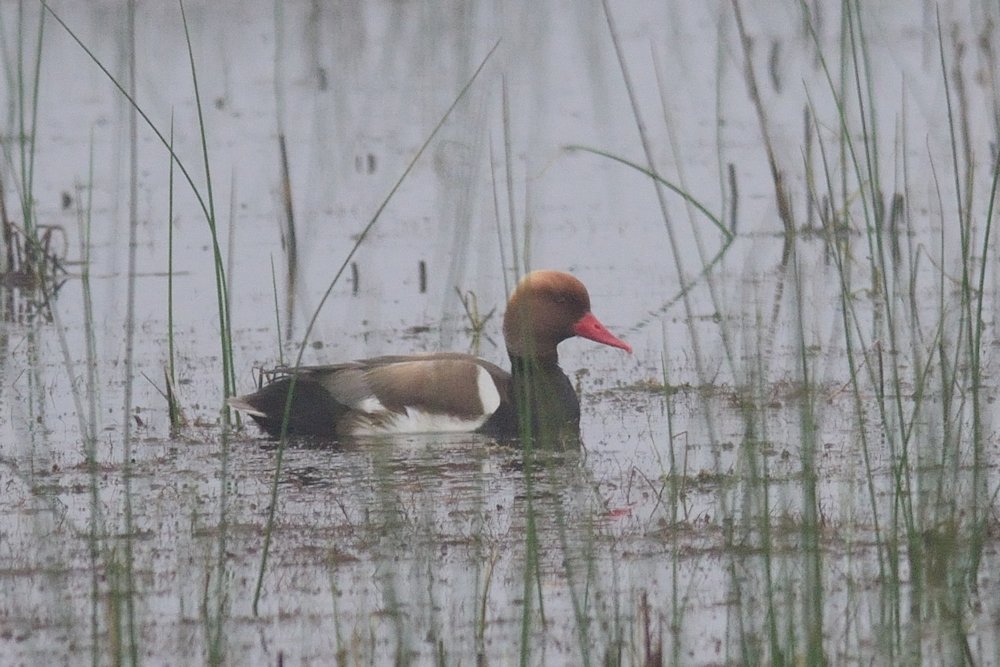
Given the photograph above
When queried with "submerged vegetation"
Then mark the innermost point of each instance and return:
(799, 467)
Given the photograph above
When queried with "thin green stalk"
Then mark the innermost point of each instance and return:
(782, 200)
(126, 470)
(531, 560)
(847, 313)
(874, 215)
(584, 629)
(966, 342)
(29, 176)
(172, 405)
(339, 646)
(973, 323)
(713, 292)
(9, 70)
(87, 414)
(225, 332)
(867, 116)
(965, 234)
(722, 56)
(390, 522)
(534, 432)
(277, 314)
(496, 219)
(758, 480)
(90, 441)
(842, 259)
(686, 284)
(946, 396)
(979, 460)
(283, 438)
(671, 235)
(483, 605)
(648, 171)
(812, 593)
(675, 480)
(206, 206)
(509, 171)
(26, 135)
(217, 636)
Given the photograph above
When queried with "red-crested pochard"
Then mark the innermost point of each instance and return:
(449, 392)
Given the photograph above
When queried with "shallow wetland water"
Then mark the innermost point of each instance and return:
(797, 465)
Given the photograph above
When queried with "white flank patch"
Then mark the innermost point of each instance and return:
(488, 394)
(237, 403)
(370, 405)
(418, 421)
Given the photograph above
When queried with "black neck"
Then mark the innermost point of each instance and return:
(545, 399)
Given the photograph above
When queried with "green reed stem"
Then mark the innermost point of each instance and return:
(28, 136)
(283, 437)
(225, 332)
(208, 209)
(126, 469)
(172, 406)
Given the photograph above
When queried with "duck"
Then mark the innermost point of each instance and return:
(448, 392)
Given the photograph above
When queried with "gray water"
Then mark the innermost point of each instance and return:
(413, 549)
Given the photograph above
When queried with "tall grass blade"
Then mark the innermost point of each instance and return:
(648, 171)
(509, 172)
(291, 242)
(28, 137)
(132, 630)
(283, 441)
(173, 404)
(225, 332)
(777, 176)
(205, 202)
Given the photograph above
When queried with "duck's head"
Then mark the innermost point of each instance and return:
(547, 308)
